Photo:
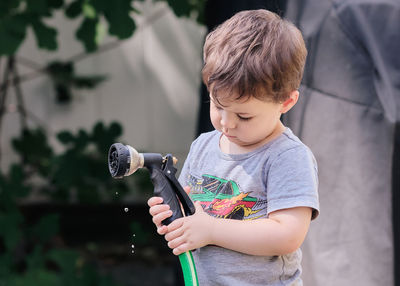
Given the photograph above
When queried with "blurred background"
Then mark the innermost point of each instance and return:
(79, 75)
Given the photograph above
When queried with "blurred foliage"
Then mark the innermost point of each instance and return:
(28, 253)
(16, 16)
(188, 8)
(64, 79)
(79, 172)
(96, 19)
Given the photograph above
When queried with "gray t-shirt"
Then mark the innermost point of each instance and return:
(281, 174)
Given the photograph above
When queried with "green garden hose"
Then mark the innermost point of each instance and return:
(188, 269)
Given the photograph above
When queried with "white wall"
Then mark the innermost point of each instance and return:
(152, 89)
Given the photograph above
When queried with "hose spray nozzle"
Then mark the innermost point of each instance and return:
(123, 160)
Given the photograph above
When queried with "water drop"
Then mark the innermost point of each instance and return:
(116, 193)
(133, 251)
(133, 246)
(126, 210)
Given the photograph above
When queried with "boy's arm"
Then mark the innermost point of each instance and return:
(282, 233)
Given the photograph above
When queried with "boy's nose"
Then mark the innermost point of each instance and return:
(227, 120)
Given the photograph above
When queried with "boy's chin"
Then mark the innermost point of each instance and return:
(240, 143)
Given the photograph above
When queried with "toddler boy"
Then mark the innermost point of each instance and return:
(254, 183)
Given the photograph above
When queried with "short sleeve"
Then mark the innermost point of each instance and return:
(292, 181)
(183, 176)
(185, 171)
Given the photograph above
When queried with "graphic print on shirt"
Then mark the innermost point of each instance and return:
(223, 198)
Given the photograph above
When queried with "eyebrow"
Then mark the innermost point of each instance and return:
(215, 102)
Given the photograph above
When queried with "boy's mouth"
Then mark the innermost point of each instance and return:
(229, 136)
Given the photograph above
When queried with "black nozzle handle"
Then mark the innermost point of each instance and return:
(184, 199)
(163, 188)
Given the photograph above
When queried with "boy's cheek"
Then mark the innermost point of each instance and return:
(215, 119)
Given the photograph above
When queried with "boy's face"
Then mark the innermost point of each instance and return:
(246, 123)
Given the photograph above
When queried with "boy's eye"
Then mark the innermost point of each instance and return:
(243, 118)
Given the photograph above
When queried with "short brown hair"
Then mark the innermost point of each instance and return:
(254, 53)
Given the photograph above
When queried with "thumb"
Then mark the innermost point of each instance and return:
(198, 206)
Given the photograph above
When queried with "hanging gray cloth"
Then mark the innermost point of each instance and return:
(348, 107)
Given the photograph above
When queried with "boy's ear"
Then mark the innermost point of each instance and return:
(290, 102)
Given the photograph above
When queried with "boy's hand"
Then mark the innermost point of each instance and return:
(190, 232)
(184, 233)
(159, 212)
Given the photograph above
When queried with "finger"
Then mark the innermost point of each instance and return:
(181, 249)
(198, 206)
(171, 235)
(186, 189)
(177, 242)
(158, 218)
(162, 230)
(154, 210)
(154, 201)
(175, 224)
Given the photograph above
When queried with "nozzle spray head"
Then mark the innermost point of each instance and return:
(123, 160)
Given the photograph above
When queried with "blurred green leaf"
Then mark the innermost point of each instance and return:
(88, 11)
(16, 182)
(34, 148)
(98, 130)
(104, 137)
(188, 8)
(46, 228)
(12, 33)
(88, 81)
(69, 169)
(12, 187)
(87, 34)
(36, 259)
(74, 9)
(65, 137)
(60, 71)
(46, 37)
(34, 142)
(10, 229)
(37, 6)
(118, 15)
(6, 262)
(115, 130)
(90, 276)
(180, 7)
(101, 32)
(7, 7)
(55, 4)
(40, 277)
(82, 140)
(65, 259)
